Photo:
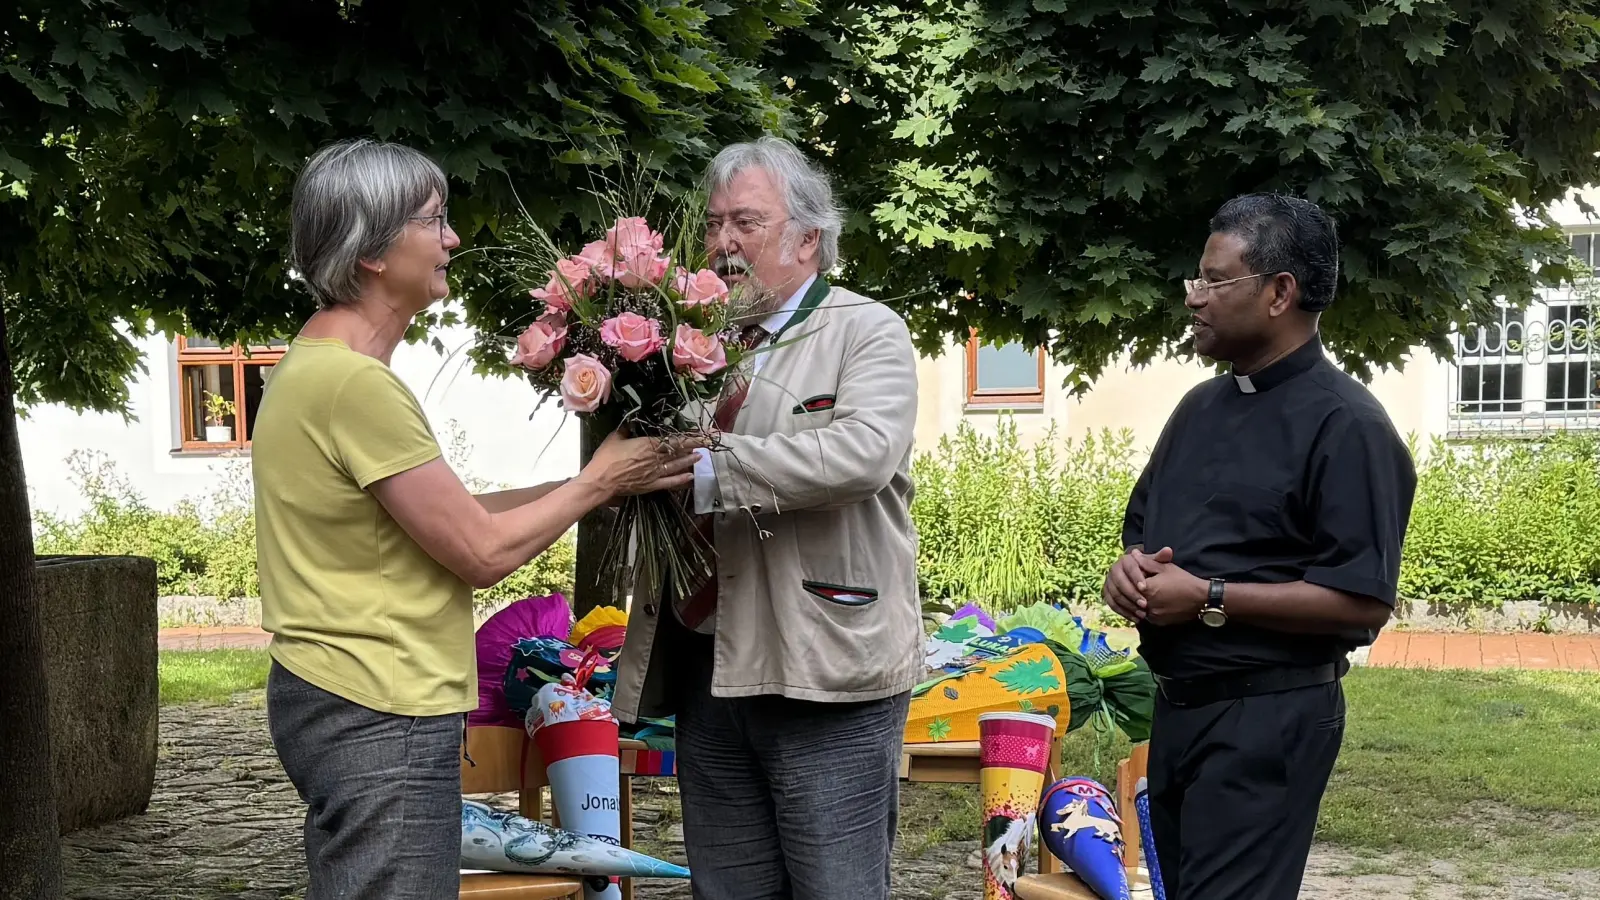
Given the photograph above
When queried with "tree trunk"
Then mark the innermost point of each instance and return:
(30, 845)
(594, 586)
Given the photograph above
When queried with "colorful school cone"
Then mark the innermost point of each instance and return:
(494, 841)
(1141, 802)
(1014, 752)
(577, 736)
(1079, 824)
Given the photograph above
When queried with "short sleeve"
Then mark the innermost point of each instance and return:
(1139, 499)
(1364, 483)
(377, 427)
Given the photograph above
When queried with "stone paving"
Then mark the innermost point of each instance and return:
(224, 824)
(1433, 650)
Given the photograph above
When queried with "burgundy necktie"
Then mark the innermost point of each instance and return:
(695, 611)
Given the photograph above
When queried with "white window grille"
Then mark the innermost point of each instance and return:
(1535, 370)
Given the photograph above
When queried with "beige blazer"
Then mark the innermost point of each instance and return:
(816, 553)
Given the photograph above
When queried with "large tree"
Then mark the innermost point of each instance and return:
(1056, 161)
(147, 149)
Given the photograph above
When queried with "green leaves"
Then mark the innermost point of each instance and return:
(156, 147)
(1111, 122)
(1161, 69)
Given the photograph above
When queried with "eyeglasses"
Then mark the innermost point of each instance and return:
(1195, 285)
(442, 215)
(744, 226)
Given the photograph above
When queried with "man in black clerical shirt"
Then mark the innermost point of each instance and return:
(1263, 545)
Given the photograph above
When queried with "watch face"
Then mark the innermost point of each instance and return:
(1213, 617)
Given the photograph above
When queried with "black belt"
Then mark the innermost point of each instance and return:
(1216, 689)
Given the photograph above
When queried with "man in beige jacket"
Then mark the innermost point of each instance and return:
(790, 673)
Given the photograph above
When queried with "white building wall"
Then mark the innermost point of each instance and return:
(507, 447)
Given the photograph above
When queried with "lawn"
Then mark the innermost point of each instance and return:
(1495, 767)
(210, 676)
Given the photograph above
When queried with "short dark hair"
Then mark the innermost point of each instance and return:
(1286, 234)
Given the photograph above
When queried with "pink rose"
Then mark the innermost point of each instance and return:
(569, 282)
(702, 288)
(597, 256)
(631, 235)
(634, 336)
(585, 383)
(695, 351)
(540, 342)
(642, 268)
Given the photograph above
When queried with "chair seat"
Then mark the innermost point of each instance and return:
(1066, 886)
(497, 886)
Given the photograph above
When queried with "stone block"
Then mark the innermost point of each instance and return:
(101, 659)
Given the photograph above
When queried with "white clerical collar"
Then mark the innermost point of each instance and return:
(775, 322)
(1246, 386)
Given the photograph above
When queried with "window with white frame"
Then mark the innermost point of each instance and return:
(1532, 370)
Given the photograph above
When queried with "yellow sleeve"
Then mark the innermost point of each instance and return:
(378, 428)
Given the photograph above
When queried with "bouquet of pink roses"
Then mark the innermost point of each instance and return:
(625, 335)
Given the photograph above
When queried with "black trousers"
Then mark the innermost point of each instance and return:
(1234, 791)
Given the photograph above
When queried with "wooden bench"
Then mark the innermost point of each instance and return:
(504, 765)
(1066, 886)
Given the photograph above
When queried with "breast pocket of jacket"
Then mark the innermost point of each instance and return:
(815, 410)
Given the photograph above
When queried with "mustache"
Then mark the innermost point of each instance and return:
(730, 264)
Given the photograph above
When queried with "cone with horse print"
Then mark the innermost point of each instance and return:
(1080, 824)
(1014, 754)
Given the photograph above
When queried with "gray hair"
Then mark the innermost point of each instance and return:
(806, 193)
(351, 203)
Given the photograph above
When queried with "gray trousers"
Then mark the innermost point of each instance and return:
(788, 799)
(383, 793)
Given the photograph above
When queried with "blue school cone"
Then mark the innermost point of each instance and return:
(1141, 802)
(1081, 827)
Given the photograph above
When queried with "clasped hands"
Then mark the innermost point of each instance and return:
(1144, 587)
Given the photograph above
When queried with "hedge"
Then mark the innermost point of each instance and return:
(1005, 525)
(1000, 523)
(207, 547)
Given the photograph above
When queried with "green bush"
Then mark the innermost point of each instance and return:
(1000, 524)
(204, 549)
(1502, 521)
(208, 548)
(1005, 525)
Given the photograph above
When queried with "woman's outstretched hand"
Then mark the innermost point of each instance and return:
(624, 466)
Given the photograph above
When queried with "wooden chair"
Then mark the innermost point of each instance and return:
(1065, 885)
(505, 764)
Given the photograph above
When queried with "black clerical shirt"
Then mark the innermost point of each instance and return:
(1294, 473)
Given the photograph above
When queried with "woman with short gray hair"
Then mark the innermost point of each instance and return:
(369, 546)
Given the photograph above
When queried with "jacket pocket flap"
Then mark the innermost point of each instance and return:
(840, 594)
(819, 403)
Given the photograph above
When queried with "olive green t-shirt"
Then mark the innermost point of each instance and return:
(354, 605)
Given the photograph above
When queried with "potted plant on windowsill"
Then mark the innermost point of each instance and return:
(218, 410)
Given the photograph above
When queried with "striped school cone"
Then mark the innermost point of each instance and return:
(1014, 752)
(1141, 802)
